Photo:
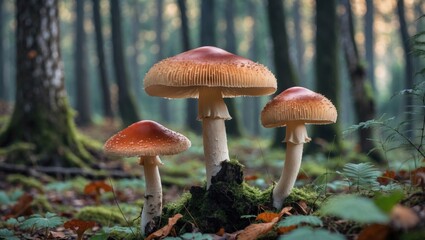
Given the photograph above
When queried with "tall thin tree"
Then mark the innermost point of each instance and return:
(408, 65)
(284, 70)
(369, 41)
(299, 41)
(103, 76)
(233, 126)
(361, 90)
(191, 104)
(326, 68)
(80, 68)
(3, 84)
(41, 129)
(126, 101)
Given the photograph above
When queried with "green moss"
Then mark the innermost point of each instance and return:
(27, 182)
(222, 205)
(41, 204)
(102, 215)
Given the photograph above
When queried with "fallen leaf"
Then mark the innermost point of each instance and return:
(267, 216)
(53, 234)
(220, 232)
(164, 231)
(375, 232)
(403, 217)
(254, 230)
(386, 177)
(283, 230)
(251, 178)
(22, 207)
(79, 226)
(95, 187)
(285, 210)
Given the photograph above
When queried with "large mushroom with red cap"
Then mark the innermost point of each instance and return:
(210, 74)
(294, 108)
(148, 139)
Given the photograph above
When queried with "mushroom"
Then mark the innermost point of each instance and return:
(294, 108)
(148, 139)
(210, 74)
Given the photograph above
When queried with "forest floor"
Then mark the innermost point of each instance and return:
(357, 200)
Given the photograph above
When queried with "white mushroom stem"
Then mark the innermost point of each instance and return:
(152, 206)
(296, 136)
(212, 111)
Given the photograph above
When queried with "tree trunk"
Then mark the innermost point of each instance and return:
(126, 101)
(103, 76)
(284, 70)
(299, 42)
(408, 67)
(361, 89)
(80, 68)
(191, 104)
(135, 41)
(3, 85)
(369, 42)
(41, 130)
(233, 125)
(163, 103)
(326, 66)
(208, 23)
(254, 55)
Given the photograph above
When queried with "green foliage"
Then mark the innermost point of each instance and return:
(59, 186)
(307, 233)
(386, 202)
(361, 175)
(117, 232)
(37, 221)
(354, 208)
(4, 198)
(7, 234)
(104, 216)
(299, 219)
(28, 182)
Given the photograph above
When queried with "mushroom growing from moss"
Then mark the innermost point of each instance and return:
(148, 139)
(210, 74)
(294, 108)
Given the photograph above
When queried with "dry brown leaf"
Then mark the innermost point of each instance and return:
(164, 231)
(417, 176)
(79, 226)
(54, 235)
(22, 207)
(267, 216)
(95, 187)
(283, 230)
(403, 217)
(386, 177)
(254, 230)
(251, 178)
(285, 210)
(375, 232)
(220, 232)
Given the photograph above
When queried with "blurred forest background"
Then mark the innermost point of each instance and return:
(106, 58)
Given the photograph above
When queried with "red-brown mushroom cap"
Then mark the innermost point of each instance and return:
(146, 138)
(298, 104)
(181, 76)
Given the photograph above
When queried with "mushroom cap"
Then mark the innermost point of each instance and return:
(146, 138)
(181, 76)
(298, 104)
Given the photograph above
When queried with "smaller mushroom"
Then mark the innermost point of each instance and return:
(294, 108)
(148, 139)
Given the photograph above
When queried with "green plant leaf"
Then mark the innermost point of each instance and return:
(354, 208)
(196, 236)
(4, 198)
(50, 220)
(361, 174)
(298, 219)
(7, 234)
(307, 233)
(386, 202)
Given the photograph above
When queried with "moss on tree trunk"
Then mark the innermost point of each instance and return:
(42, 120)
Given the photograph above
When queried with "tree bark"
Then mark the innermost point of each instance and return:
(191, 104)
(103, 76)
(233, 125)
(284, 70)
(126, 101)
(80, 68)
(326, 68)
(163, 103)
(361, 89)
(369, 42)
(42, 119)
(135, 41)
(254, 55)
(299, 42)
(408, 67)
(3, 85)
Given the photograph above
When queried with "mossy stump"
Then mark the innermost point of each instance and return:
(222, 206)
